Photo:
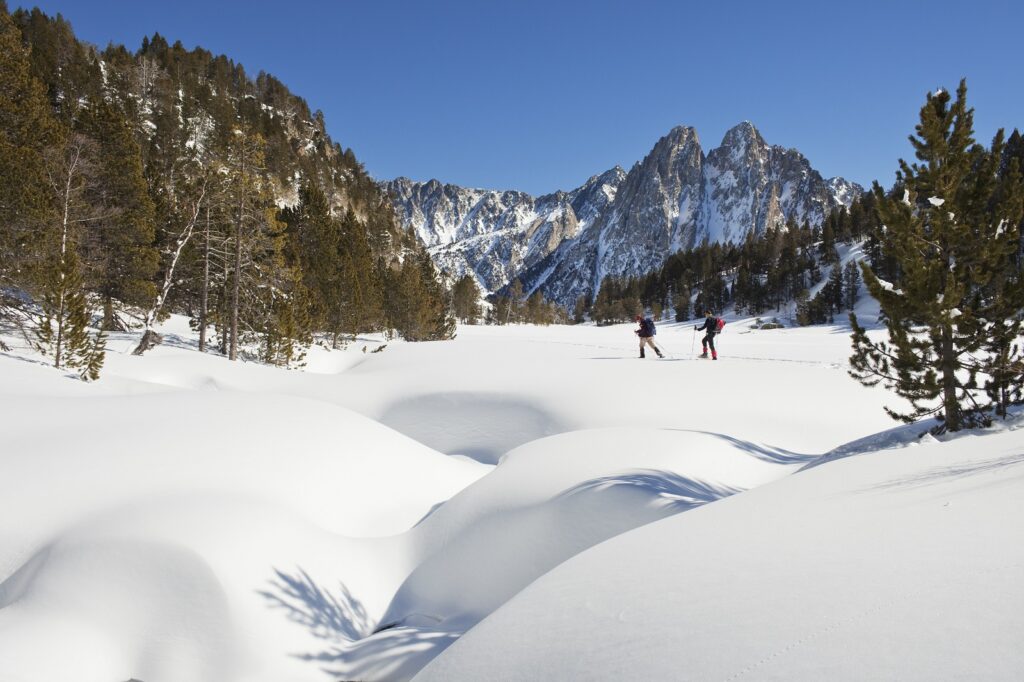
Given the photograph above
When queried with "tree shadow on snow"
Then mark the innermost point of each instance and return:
(306, 603)
(671, 490)
(350, 651)
(30, 360)
(767, 453)
(396, 653)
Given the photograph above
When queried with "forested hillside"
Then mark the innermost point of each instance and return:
(139, 182)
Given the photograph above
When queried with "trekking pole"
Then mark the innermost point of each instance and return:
(693, 341)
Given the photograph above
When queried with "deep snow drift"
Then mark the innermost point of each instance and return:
(520, 503)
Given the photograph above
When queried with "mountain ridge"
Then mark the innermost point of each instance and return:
(618, 222)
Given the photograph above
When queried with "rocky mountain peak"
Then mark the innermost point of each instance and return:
(620, 223)
(679, 138)
(743, 135)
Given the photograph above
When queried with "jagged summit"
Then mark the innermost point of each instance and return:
(618, 222)
(742, 134)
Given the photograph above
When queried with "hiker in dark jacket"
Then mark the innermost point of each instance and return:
(646, 333)
(711, 326)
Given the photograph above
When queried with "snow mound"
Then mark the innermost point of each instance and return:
(202, 535)
(881, 566)
(548, 501)
(111, 602)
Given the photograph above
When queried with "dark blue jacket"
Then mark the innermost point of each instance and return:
(647, 328)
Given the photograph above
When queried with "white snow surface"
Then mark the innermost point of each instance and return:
(519, 503)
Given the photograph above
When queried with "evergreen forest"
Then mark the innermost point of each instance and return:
(137, 183)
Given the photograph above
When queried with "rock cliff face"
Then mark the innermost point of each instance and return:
(619, 223)
(493, 235)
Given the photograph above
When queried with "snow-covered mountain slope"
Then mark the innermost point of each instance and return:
(620, 223)
(492, 235)
(188, 518)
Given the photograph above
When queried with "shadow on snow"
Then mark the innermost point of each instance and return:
(767, 453)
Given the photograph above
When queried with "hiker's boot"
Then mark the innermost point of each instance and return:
(703, 355)
(641, 353)
(660, 354)
(714, 355)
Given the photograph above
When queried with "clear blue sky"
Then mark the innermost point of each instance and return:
(538, 96)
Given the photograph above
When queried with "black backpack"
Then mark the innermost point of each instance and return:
(648, 326)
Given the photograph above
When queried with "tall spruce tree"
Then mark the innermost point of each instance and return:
(851, 284)
(120, 247)
(417, 304)
(361, 304)
(62, 330)
(250, 203)
(27, 129)
(1004, 294)
(466, 299)
(314, 239)
(945, 227)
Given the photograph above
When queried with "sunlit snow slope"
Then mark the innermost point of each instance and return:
(519, 503)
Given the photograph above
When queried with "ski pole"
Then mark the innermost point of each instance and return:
(693, 341)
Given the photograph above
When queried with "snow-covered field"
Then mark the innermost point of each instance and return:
(521, 503)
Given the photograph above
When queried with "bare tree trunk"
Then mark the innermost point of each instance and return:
(149, 337)
(205, 292)
(223, 324)
(65, 225)
(948, 360)
(233, 353)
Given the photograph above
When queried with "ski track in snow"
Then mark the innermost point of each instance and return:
(677, 356)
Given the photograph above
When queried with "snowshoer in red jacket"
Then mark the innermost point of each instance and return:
(646, 333)
(711, 326)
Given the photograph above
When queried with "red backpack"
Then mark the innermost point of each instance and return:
(719, 323)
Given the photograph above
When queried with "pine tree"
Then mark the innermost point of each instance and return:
(466, 299)
(362, 300)
(580, 308)
(515, 295)
(250, 204)
(832, 292)
(1015, 152)
(189, 218)
(828, 244)
(120, 247)
(438, 323)
(1001, 321)
(417, 305)
(288, 328)
(62, 329)
(851, 284)
(947, 234)
(315, 242)
(26, 130)
(681, 303)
